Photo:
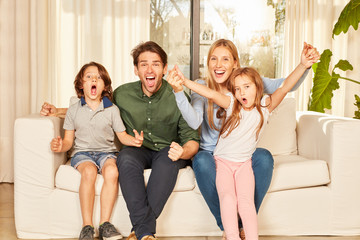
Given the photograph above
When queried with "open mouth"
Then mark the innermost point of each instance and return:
(244, 101)
(93, 90)
(219, 74)
(150, 81)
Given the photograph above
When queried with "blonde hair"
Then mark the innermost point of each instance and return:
(233, 121)
(210, 82)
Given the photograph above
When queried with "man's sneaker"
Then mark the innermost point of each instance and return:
(107, 231)
(132, 236)
(87, 233)
(149, 237)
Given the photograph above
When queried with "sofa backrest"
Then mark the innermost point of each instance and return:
(279, 136)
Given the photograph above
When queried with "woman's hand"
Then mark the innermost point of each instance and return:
(175, 79)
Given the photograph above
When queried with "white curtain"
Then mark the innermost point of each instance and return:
(312, 21)
(43, 45)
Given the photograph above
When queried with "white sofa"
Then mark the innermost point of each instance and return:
(314, 191)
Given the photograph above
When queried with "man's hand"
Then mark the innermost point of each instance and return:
(48, 109)
(175, 151)
(139, 138)
(56, 144)
(309, 55)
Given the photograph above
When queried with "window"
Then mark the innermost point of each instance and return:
(256, 27)
(170, 28)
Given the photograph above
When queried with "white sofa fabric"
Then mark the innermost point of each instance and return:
(314, 190)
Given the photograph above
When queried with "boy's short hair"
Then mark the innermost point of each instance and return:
(78, 82)
(148, 46)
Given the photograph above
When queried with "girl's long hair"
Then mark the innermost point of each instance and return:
(233, 121)
(210, 82)
(78, 82)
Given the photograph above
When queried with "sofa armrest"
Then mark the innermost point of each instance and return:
(327, 137)
(336, 140)
(34, 162)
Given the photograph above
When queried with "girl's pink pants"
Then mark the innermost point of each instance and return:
(235, 184)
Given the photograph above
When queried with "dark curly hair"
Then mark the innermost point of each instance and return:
(108, 92)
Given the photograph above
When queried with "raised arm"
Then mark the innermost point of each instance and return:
(178, 78)
(307, 59)
(192, 112)
(270, 85)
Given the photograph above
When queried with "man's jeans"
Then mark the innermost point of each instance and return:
(205, 173)
(146, 203)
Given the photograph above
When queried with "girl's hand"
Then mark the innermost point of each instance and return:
(56, 144)
(309, 55)
(175, 80)
(139, 138)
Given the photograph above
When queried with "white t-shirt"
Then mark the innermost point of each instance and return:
(240, 144)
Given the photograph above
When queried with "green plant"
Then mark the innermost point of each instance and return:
(357, 103)
(325, 83)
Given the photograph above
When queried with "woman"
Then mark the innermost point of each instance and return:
(222, 59)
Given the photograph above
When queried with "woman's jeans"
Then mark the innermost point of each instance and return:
(205, 173)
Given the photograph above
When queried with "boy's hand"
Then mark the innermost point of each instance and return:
(175, 80)
(56, 144)
(48, 109)
(309, 55)
(139, 138)
(175, 151)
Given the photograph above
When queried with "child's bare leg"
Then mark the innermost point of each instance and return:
(109, 189)
(88, 173)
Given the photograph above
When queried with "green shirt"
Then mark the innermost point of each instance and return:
(157, 116)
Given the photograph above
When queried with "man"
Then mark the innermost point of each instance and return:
(149, 105)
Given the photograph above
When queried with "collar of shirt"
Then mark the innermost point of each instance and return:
(106, 102)
(156, 95)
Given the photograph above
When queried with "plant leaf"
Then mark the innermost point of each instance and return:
(350, 15)
(357, 104)
(323, 84)
(344, 65)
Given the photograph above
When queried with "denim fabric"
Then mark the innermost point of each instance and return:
(97, 158)
(205, 173)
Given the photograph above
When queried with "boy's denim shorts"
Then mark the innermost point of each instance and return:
(97, 158)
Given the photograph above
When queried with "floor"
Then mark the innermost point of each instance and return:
(7, 225)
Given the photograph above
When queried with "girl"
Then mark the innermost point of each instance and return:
(243, 124)
(92, 122)
(222, 59)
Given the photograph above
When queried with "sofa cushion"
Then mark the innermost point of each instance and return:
(294, 171)
(68, 178)
(279, 136)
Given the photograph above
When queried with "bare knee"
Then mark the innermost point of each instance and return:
(110, 171)
(88, 172)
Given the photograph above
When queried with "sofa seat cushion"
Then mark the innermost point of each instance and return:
(294, 171)
(68, 178)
